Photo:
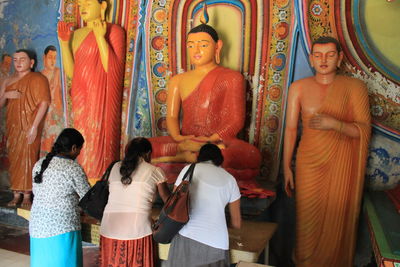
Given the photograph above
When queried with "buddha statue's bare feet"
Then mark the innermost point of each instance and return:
(16, 200)
(26, 202)
(189, 156)
(186, 156)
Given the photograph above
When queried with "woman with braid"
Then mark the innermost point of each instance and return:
(59, 183)
(126, 236)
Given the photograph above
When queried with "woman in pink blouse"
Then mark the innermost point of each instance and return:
(126, 235)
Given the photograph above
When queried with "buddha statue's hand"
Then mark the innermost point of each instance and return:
(289, 181)
(31, 135)
(323, 122)
(214, 138)
(181, 138)
(99, 28)
(64, 31)
(12, 94)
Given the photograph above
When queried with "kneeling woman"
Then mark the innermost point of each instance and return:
(126, 235)
(58, 184)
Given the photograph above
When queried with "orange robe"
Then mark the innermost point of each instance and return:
(21, 113)
(97, 100)
(329, 179)
(217, 105)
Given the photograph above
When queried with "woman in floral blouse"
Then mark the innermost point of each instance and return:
(59, 183)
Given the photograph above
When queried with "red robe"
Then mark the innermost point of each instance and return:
(217, 105)
(96, 100)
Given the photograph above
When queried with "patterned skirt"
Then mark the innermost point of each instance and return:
(124, 253)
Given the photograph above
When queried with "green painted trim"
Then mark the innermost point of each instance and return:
(379, 234)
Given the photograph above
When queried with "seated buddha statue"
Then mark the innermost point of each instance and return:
(211, 101)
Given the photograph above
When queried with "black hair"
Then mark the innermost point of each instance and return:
(31, 54)
(136, 148)
(211, 152)
(327, 40)
(207, 29)
(49, 48)
(65, 140)
(4, 56)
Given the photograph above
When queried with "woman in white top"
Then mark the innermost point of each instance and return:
(204, 240)
(126, 235)
(58, 184)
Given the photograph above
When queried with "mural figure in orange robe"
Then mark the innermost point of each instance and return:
(5, 68)
(27, 96)
(331, 158)
(54, 122)
(212, 99)
(96, 65)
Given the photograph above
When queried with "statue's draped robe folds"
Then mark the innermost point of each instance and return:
(329, 179)
(217, 105)
(97, 100)
(21, 113)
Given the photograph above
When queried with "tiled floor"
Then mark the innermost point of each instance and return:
(14, 248)
(13, 259)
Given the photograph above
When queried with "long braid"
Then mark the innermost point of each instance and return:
(64, 143)
(45, 163)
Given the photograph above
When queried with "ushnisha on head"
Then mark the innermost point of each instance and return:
(137, 149)
(68, 144)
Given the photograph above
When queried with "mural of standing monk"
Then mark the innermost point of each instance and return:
(212, 100)
(54, 122)
(5, 66)
(27, 96)
(331, 158)
(96, 65)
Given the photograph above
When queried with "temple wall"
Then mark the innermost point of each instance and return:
(268, 41)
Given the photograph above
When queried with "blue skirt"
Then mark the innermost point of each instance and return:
(63, 250)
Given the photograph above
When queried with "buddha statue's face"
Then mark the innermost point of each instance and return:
(201, 48)
(22, 62)
(90, 9)
(325, 58)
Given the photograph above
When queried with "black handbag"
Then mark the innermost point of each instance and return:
(95, 200)
(175, 212)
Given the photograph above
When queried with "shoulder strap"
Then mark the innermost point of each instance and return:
(189, 173)
(106, 174)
